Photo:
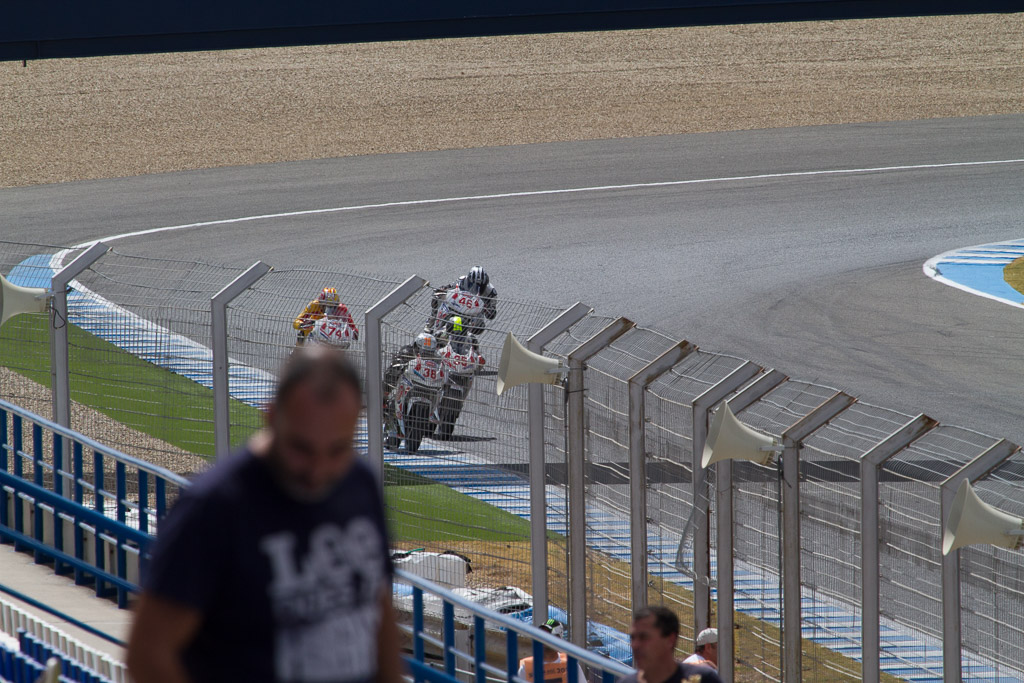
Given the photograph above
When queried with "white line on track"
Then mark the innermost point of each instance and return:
(536, 193)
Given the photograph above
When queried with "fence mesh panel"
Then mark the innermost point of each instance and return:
(261, 334)
(486, 458)
(830, 534)
(139, 350)
(25, 338)
(670, 511)
(910, 534)
(141, 368)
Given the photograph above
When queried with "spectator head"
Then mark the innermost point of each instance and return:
(312, 422)
(653, 638)
(707, 644)
(555, 628)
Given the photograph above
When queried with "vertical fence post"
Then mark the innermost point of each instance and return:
(792, 670)
(972, 471)
(700, 410)
(375, 370)
(538, 467)
(59, 364)
(219, 341)
(870, 464)
(724, 532)
(638, 384)
(576, 471)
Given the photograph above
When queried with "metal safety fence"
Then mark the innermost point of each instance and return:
(591, 496)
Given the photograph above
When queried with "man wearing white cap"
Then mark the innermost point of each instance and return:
(706, 649)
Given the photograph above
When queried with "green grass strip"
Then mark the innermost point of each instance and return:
(435, 512)
(122, 386)
(175, 409)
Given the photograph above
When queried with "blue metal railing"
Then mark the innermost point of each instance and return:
(56, 500)
(452, 614)
(72, 494)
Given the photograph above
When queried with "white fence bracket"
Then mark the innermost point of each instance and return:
(700, 410)
(638, 384)
(576, 471)
(870, 464)
(792, 646)
(538, 467)
(59, 364)
(724, 532)
(951, 642)
(219, 340)
(375, 368)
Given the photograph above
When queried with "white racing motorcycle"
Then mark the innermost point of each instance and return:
(463, 361)
(331, 331)
(456, 302)
(411, 409)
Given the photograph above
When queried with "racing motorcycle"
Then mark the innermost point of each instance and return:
(331, 331)
(456, 302)
(463, 361)
(412, 405)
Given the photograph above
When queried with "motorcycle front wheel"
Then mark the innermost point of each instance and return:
(417, 426)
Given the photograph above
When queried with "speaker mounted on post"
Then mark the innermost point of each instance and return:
(519, 365)
(730, 439)
(973, 521)
(15, 300)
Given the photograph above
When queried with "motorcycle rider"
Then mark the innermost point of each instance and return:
(424, 346)
(458, 336)
(477, 282)
(327, 303)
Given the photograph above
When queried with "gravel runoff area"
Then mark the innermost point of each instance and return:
(63, 120)
(76, 119)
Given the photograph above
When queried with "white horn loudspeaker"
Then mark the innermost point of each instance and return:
(15, 300)
(730, 439)
(972, 520)
(519, 365)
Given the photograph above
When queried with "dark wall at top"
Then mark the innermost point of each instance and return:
(32, 29)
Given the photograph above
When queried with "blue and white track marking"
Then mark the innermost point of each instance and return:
(979, 270)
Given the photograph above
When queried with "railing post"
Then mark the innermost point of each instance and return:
(700, 409)
(59, 364)
(538, 467)
(724, 533)
(792, 671)
(870, 464)
(375, 370)
(219, 333)
(972, 471)
(638, 384)
(576, 469)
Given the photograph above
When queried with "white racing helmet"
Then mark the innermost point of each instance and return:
(426, 344)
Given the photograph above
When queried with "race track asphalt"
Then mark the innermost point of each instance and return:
(818, 275)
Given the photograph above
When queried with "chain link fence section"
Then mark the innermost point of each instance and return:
(992, 582)
(139, 350)
(25, 338)
(830, 534)
(757, 541)
(430, 493)
(910, 535)
(261, 334)
(671, 517)
(607, 476)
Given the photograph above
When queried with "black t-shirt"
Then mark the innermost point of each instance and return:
(289, 591)
(684, 673)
